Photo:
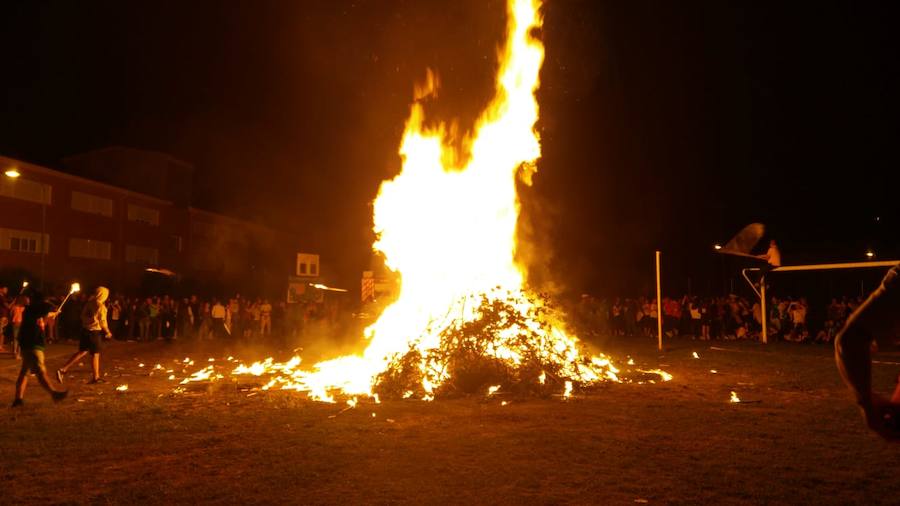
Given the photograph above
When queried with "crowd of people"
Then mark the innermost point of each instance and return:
(168, 318)
(257, 319)
(707, 318)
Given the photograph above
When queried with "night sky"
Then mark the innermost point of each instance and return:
(665, 125)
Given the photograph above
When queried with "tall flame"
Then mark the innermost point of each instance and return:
(450, 229)
(447, 225)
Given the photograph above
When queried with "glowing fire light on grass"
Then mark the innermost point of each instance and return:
(122, 388)
(447, 224)
(734, 398)
(208, 373)
(663, 375)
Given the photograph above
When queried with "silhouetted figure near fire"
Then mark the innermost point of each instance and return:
(878, 320)
(32, 342)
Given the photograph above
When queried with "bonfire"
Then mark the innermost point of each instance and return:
(464, 320)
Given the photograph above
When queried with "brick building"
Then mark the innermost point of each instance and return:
(95, 232)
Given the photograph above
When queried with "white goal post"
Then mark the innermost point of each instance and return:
(761, 293)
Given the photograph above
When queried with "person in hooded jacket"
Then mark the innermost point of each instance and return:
(94, 330)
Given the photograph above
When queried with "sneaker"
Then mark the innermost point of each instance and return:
(18, 403)
(60, 376)
(58, 396)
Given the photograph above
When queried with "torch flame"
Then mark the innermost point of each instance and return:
(734, 397)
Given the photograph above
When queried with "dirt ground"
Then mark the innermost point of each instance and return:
(798, 441)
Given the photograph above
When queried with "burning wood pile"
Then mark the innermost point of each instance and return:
(513, 342)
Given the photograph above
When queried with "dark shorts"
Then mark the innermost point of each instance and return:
(91, 341)
(33, 360)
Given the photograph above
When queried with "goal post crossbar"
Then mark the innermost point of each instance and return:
(761, 293)
(847, 265)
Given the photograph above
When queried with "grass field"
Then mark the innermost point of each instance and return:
(682, 442)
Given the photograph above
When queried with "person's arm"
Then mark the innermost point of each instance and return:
(102, 318)
(878, 319)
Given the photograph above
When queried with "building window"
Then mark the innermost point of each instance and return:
(23, 241)
(93, 204)
(175, 243)
(141, 255)
(25, 189)
(307, 264)
(90, 248)
(143, 215)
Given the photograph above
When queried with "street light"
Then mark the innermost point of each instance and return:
(870, 254)
(14, 174)
(717, 247)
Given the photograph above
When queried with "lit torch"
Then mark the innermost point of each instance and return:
(74, 288)
(326, 288)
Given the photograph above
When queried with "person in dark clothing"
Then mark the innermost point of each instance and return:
(32, 342)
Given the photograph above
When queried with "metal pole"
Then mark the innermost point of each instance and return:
(762, 297)
(659, 307)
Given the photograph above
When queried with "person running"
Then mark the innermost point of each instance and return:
(32, 342)
(878, 320)
(94, 330)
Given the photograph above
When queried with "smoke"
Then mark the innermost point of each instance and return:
(535, 249)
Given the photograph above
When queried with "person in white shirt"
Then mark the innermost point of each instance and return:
(218, 314)
(773, 255)
(265, 318)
